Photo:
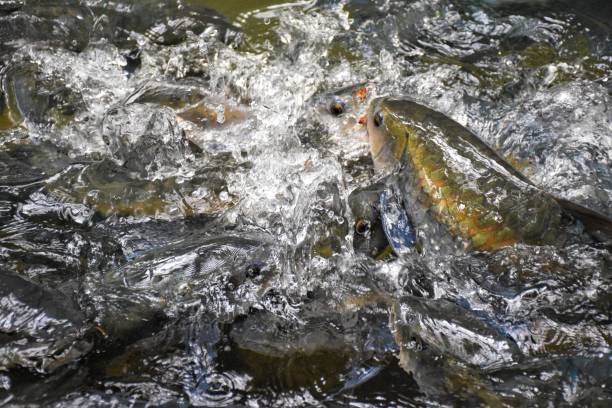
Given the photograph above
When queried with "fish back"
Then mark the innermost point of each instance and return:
(472, 190)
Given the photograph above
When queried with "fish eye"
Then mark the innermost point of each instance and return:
(337, 107)
(378, 119)
(362, 226)
(253, 270)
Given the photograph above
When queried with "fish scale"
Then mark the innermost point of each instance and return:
(467, 187)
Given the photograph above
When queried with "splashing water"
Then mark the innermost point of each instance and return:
(189, 214)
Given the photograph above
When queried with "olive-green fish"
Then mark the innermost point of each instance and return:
(463, 183)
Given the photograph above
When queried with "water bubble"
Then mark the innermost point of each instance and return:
(220, 110)
(5, 382)
(214, 390)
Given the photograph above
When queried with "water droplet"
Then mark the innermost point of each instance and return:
(220, 114)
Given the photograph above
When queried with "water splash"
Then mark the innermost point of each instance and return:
(193, 190)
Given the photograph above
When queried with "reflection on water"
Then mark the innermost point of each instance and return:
(189, 213)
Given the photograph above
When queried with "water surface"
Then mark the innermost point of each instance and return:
(180, 202)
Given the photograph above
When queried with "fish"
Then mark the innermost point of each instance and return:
(381, 227)
(41, 329)
(30, 95)
(463, 184)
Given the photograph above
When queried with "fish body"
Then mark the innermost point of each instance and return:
(460, 180)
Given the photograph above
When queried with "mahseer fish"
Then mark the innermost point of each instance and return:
(446, 172)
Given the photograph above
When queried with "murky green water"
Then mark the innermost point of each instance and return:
(190, 216)
(234, 9)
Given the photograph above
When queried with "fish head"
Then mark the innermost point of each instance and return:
(388, 130)
(369, 236)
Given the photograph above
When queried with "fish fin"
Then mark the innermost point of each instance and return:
(396, 223)
(598, 225)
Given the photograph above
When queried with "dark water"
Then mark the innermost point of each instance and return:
(186, 212)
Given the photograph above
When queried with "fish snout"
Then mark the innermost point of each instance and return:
(377, 137)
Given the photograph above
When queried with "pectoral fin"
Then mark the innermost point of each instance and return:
(396, 224)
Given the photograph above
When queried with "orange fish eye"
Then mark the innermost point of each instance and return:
(362, 226)
(337, 107)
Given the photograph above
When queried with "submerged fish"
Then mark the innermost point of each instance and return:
(369, 236)
(463, 184)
